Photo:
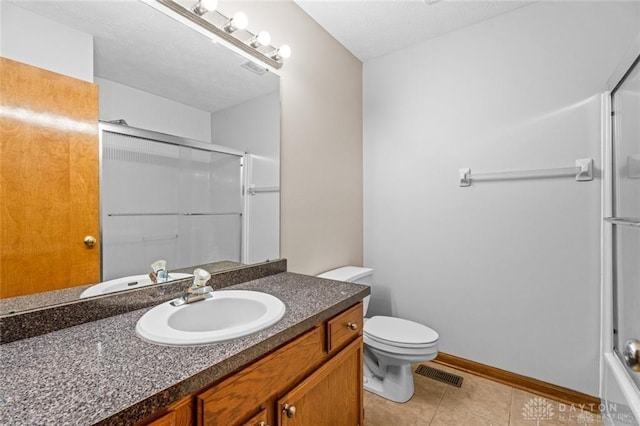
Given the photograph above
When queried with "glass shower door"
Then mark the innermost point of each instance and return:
(625, 101)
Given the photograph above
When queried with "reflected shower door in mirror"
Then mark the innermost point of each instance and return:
(159, 75)
(182, 203)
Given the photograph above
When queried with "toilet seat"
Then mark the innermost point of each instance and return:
(399, 333)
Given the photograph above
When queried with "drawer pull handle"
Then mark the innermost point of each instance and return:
(289, 410)
(263, 424)
(352, 326)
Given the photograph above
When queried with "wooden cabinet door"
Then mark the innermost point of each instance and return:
(239, 397)
(330, 396)
(48, 180)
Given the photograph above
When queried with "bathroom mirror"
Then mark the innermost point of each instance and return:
(161, 76)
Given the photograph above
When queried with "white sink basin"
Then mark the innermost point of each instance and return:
(226, 315)
(125, 283)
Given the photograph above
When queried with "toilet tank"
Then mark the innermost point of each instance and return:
(352, 274)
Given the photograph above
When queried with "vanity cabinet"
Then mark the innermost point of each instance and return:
(316, 379)
(302, 383)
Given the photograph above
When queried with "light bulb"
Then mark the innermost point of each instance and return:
(210, 4)
(204, 6)
(285, 51)
(238, 22)
(261, 39)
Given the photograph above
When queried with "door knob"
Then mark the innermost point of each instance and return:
(631, 354)
(89, 241)
(289, 410)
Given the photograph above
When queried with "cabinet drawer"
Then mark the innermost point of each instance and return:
(259, 419)
(344, 327)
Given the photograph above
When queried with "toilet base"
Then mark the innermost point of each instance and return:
(396, 386)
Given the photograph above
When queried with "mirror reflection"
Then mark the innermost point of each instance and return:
(185, 159)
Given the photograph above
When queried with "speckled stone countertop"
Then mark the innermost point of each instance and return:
(65, 295)
(101, 372)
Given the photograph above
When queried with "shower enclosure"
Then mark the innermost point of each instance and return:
(621, 242)
(164, 197)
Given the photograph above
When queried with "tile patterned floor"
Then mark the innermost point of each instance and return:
(479, 402)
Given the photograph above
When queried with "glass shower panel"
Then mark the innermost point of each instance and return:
(213, 237)
(626, 135)
(139, 203)
(627, 280)
(626, 232)
(213, 182)
(212, 207)
(163, 200)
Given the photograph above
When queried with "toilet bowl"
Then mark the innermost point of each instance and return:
(391, 344)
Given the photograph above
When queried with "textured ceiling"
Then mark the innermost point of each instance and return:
(370, 28)
(140, 47)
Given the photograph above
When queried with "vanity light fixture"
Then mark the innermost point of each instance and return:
(231, 31)
(238, 22)
(283, 52)
(263, 38)
(204, 6)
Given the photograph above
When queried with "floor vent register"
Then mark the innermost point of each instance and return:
(439, 375)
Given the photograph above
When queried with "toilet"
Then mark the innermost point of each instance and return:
(391, 344)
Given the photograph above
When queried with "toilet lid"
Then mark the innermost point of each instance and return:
(399, 332)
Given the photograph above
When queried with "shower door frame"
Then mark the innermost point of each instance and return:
(611, 365)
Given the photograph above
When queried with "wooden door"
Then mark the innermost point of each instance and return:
(330, 396)
(48, 180)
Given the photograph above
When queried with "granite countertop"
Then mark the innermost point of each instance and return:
(101, 372)
(66, 295)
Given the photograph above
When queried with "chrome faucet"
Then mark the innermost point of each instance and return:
(197, 291)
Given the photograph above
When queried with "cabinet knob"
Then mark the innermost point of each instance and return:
(89, 241)
(263, 424)
(289, 410)
(352, 326)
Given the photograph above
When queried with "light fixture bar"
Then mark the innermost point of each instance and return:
(239, 44)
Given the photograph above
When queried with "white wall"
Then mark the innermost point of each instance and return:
(507, 272)
(254, 127)
(321, 145)
(151, 112)
(34, 40)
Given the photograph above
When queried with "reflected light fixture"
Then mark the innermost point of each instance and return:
(238, 22)
(218, 27)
